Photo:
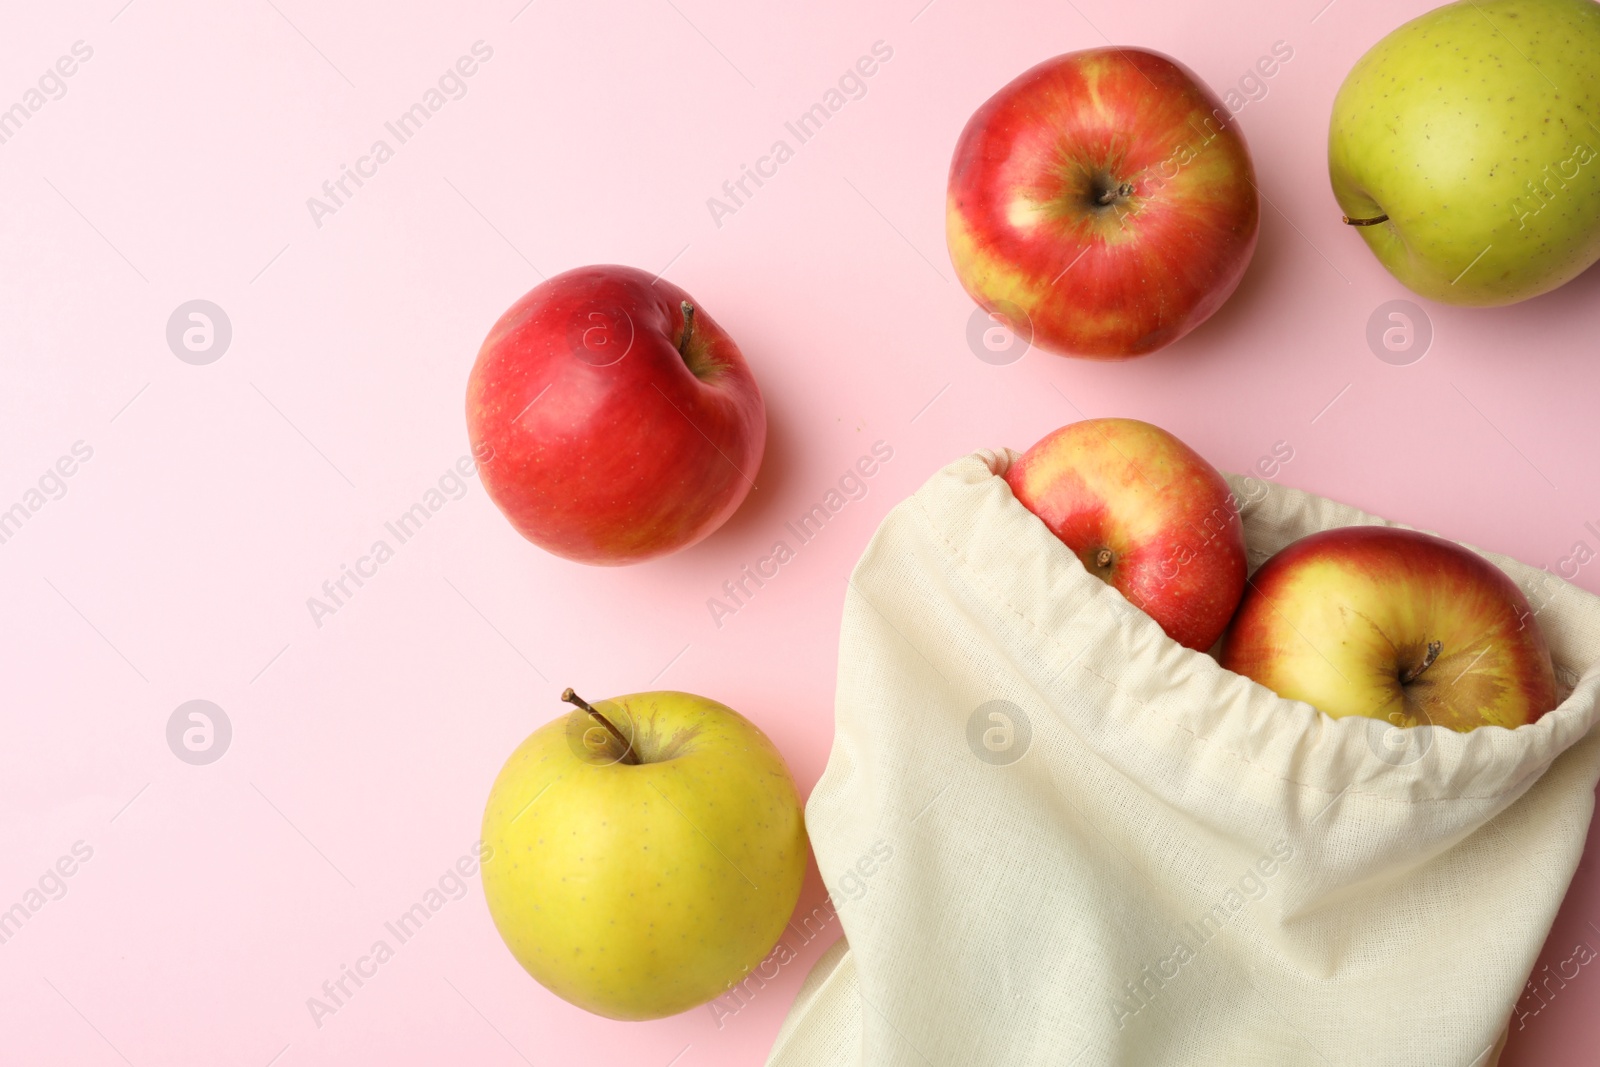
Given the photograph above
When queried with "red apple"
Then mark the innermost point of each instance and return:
(1146, 514)
(1395, 625)
(619, 420)
(1106, 200)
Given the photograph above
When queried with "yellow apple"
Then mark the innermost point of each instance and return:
(646, 852)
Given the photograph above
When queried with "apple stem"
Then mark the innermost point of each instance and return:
(688, 324)
(628, 755)
(1411, 674)
(1115, 193)
(1103, 558)
(1348, 221)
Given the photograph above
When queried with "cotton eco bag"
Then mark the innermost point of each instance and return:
(1055, 836)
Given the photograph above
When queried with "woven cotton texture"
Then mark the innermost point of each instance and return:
(1146, 859)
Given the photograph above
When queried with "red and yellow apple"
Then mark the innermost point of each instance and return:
(1395, 625)
(620, 420)
(1105, 197)
(1144, 513)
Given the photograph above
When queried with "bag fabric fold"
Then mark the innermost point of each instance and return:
(1055, 836)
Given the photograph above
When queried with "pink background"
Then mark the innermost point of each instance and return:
(219, 498)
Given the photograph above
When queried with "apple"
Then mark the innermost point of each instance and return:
(1103, 203)
(619, 421)
(1463, 149)
(1395, 625)
(1144, 513)
(646, 852)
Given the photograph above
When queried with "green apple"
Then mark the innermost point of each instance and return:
(1463, 149)
(646, 852)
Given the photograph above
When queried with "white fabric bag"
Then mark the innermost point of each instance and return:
(1055, 836)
